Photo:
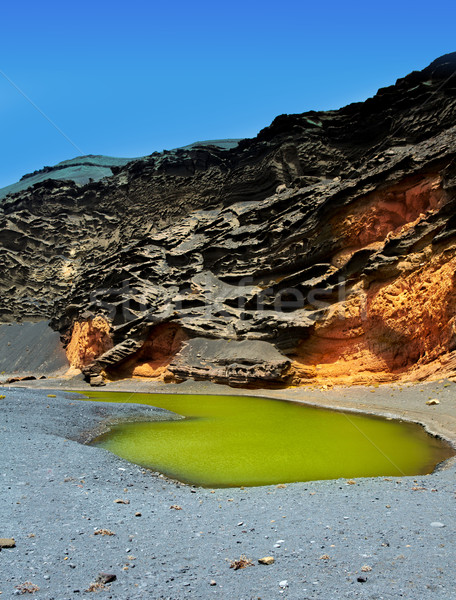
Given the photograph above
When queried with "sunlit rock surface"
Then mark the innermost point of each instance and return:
(323, 250)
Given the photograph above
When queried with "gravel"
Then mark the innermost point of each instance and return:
(382, 538)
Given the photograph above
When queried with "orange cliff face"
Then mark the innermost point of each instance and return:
(154, 356)
(89, 340)
(402, 328)
(386, 214)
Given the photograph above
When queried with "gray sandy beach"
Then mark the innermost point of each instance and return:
(379, 538)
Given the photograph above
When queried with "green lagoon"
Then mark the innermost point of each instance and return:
(229, 441)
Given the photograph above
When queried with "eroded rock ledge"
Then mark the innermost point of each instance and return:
(323, 250)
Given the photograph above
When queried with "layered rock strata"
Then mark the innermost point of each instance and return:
(323, 250)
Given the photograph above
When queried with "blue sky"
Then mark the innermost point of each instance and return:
(129, 78)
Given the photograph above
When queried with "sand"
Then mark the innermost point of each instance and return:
(376, 538)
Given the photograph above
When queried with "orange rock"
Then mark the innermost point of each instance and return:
(89, 340)
(384, 214)
(402, 328)
(154, 356)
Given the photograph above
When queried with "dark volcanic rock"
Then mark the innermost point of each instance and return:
(330, 239)
(228, 361)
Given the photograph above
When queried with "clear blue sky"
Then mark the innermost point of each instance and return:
(128, 78)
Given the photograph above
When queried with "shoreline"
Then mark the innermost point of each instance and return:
(438, 421)
(322, 534)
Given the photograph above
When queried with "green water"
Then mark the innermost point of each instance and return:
(243, 440)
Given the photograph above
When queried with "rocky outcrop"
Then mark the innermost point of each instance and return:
(153, 356)
(321, 250)
(85, 169)
(243, 363)
(89, 340)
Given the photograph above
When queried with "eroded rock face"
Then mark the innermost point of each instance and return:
(89, 340)
(237, 363)
(153, 357)
(404, 328)
(323, 250)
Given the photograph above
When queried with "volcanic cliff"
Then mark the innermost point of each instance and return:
(323, 250)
